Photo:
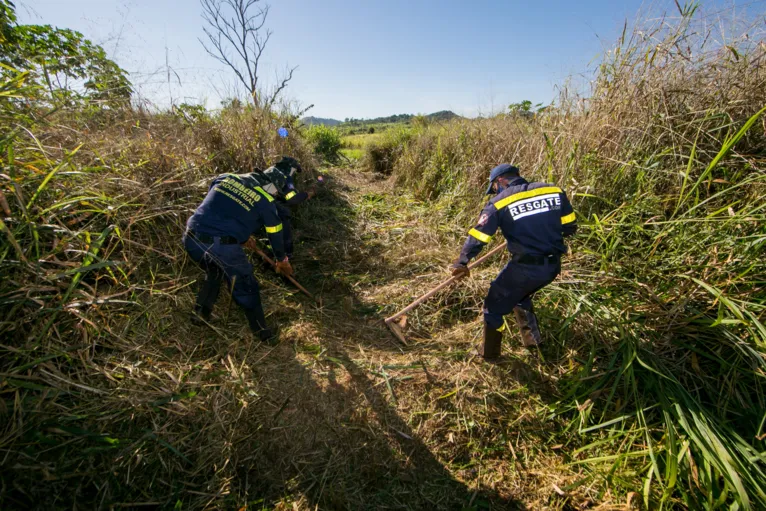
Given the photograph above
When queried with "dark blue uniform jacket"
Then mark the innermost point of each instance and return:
(533, 217)
(292, 196)
(236, 205)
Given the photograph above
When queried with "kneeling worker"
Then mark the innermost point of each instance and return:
(236, 206)
(534, 218)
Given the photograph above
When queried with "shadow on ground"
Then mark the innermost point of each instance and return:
(325, 432)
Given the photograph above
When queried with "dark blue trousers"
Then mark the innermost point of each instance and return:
(515, 286)
(287, 230)
(229, 262)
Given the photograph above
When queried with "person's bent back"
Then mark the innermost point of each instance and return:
(235, 207)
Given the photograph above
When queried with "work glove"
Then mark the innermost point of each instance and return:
(312, 192)
(284, 268)
(460, 270)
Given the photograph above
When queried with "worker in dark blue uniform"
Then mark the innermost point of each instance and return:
(281, 175)
(534, 219)
(236, 206)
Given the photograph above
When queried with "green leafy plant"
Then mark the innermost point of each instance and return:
(66, 64)
(326, 141)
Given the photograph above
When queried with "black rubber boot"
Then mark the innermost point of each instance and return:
(257, 322)
(530, 332)
(490, 348)
(201, 315)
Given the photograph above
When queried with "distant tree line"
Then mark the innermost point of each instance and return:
(379, 120)
(443, 115)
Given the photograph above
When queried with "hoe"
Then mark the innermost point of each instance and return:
(291, 279)
(398, 321)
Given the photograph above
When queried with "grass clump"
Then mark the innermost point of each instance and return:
(382, 153)
(353, 146)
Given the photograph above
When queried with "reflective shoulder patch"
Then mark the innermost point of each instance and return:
(265, 194)
(526, 195)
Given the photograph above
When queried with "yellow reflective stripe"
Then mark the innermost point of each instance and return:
(484, 238)
(502, 328)
(568, 219)
(272, 230)
(526, 195)
(263, 192)
(290, 195)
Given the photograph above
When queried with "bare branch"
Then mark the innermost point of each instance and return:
(220, 56)
(236, 38)
(281, 86)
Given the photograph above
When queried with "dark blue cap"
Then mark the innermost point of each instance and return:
(505, 168)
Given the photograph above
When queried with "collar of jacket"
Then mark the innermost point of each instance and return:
(518, 181)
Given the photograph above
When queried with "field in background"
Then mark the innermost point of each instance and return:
(353, 146)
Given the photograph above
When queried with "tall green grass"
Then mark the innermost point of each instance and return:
(664, 339)
(383, 151)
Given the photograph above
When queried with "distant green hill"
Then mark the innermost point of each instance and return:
(320, 120)
(444, 115)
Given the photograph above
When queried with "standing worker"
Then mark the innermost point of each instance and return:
(281, 174)
(534, 218)
(236, 206)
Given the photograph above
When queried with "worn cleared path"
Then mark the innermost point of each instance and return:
(345, 417)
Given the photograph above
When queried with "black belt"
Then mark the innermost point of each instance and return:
(206, 238)
(536, 259)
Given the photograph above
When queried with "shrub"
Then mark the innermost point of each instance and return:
(382, 153)
(326, 141)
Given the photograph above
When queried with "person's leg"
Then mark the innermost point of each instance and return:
(512, 288)
(244, 287)
(525, 309)
(287, 230)
(527, 321)
(209, 287)
(505, 291)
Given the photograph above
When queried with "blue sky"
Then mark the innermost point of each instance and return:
(362, 58)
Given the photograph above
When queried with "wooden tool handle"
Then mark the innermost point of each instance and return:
(444, 284)
(290, 278)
